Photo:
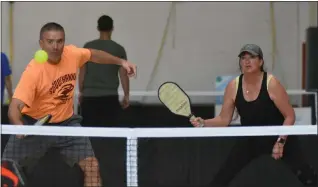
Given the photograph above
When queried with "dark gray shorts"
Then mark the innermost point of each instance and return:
(32, 148)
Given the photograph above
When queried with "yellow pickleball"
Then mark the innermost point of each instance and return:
(41, 56)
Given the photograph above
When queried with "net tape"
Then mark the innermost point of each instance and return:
(160, 132)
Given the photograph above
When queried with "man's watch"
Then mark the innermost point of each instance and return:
(281, 140)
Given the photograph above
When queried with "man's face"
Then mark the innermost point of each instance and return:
(53, 43)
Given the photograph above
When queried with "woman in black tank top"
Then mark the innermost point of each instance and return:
(260, 100)
(261, 111)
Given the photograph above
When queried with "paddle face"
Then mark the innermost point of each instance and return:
(175, 99)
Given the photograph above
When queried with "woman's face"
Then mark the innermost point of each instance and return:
(250, 63)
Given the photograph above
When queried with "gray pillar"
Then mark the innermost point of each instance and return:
(312, 58)
(312, 66)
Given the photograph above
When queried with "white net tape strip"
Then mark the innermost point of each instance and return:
(160, 132)
(132, 136)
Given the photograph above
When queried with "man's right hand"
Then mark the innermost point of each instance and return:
(14, 114)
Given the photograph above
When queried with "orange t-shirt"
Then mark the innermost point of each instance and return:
(48, 88)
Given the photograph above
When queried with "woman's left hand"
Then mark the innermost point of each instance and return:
(278, 150)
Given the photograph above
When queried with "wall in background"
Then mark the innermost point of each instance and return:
(203, 40)
(5, 42)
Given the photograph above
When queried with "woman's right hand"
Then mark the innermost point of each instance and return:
(197, 122)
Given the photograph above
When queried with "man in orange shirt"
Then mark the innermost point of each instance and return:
(49, 89)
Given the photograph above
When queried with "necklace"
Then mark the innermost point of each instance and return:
(246, 91)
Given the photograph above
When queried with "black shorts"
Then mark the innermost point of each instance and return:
(32, 148)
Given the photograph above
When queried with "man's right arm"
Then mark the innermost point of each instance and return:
(14, 112)
(24, 93)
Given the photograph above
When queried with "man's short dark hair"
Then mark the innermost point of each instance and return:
(51, 26)
(105, 23)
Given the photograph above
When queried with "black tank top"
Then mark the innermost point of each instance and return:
(260, 112)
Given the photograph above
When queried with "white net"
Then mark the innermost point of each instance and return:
(132, 136)
(305, 104)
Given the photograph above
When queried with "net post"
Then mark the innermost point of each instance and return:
(132, 161)
(313, 103)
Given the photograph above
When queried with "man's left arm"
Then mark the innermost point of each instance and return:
(281, 99)
(102, 57)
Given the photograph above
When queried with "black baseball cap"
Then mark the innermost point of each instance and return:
(253, 49)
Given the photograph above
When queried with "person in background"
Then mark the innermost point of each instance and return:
(5, 77)
(100, 105)
(5, 83)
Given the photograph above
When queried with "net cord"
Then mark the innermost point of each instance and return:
(159, 132)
